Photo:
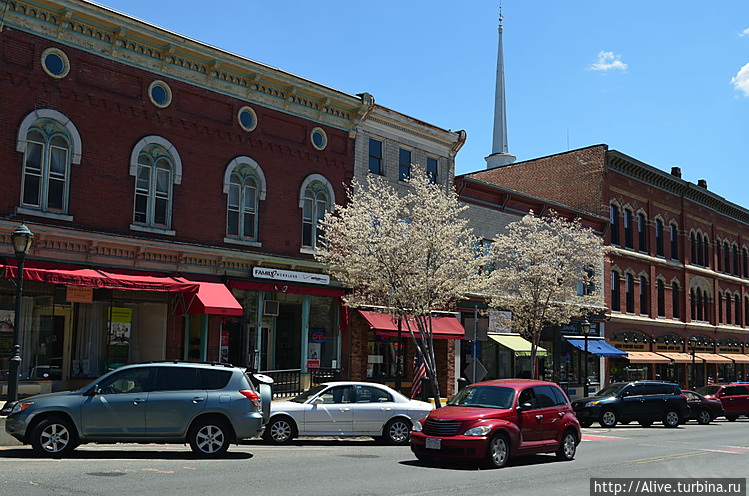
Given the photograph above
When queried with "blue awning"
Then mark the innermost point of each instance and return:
(597, 347)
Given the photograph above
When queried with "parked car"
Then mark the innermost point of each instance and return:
(494, 420)
(733, 397)
(345, 409)
(702, 409)
(207, 405)
(643, 401)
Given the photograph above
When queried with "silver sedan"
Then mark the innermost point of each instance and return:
(345, 409)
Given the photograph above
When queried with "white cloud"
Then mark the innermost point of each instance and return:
(608, 61)
(744, 32)
(741, 80)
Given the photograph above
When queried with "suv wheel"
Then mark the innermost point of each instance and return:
(567, 447)
(397, 431)
(280, 430)
(608, 418)
(209, 437)
(704, 417)
(498, 451)
(671, 419)
(53, 436)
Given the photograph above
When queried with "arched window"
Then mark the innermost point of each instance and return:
(674, 244)
(735, 250)
(700, 252)
(693, 303)
(693, 245)
(615, 304)
(700, 314)
(642, 241)
(244, 185)
(728, 308)
(614, 219)
(661, 288)
(46, 167)
(630, 293)
(628, 243)
(157, 167)
(727, 258)
(316, 198)
(720, 308)
(706, 246)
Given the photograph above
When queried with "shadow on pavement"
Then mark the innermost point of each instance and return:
(520, 461)
(145, 454)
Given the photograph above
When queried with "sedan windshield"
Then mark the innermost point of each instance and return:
(308, 394)
(484, 397)
(611, 389)
(708, 390)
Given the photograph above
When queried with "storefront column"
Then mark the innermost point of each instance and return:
(257, 353)
(204, 338)
(305, 332)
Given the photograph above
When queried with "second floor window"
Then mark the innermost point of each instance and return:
(46, 167)
(153, 188)
(630, 293)
(642, 233)
(313, 211)
(644, 303)
(375, 156)
(659, 237)
(432, 164)
(735, 251)
(661, 288)
(614, 225)
(404, 165)
(728, 308)
(675, 300)
(737, 309)
(727, 258)
(615, 304)
(674, 246)
(628, 243)
(241, 216)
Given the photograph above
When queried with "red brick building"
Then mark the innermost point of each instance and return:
(677, 281)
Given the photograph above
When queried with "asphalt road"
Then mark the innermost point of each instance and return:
(360, 466)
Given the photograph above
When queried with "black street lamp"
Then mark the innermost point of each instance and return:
(585, 329)
(21, 239)
(693, 344)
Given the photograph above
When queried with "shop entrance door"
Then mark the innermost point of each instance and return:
(288, 337)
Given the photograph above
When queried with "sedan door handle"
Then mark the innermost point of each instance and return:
(561, 414)
(138, 400)
(539, 417)
(198, 399)
(386, 409)
(344, 409)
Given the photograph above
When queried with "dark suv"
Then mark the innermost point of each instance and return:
(207, 405)
(643, 401)
(734, 397)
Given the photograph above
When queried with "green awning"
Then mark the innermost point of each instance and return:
(520, 346)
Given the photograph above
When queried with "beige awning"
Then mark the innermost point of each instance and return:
(516, 343)
(738, 358)
(646, 357)
(680, 357)
(713, 358)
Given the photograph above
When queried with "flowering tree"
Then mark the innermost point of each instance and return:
(539, 264)
(410, 253)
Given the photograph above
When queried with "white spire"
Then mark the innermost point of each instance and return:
(500, 155)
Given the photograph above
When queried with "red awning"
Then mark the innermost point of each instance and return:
(100, 278)
(212, 298)
(276, 287)
(443, 327)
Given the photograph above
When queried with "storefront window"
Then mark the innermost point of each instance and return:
(322, 344)
(381, 357)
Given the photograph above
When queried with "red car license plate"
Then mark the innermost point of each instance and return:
(433, 443)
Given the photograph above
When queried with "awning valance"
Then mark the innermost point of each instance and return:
(679, 357)
(518, 344)
(646, 357)
(597, 347)
(101, 278)
(738, 358)
(277, 287)
(443, 327)
(712, 358)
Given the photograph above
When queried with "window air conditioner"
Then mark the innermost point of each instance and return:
(270, 308)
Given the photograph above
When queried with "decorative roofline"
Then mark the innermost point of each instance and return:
(110, 34)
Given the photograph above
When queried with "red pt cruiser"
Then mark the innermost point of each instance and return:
(494, 420)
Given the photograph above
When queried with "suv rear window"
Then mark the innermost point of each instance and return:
(213, 379)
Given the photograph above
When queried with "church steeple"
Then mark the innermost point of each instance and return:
(500, 155)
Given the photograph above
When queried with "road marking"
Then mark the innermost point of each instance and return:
(587, 437)
(669, 457)
(722, 451)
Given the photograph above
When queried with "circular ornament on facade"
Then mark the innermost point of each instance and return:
(160, 94)
(55, 63)
(247, 119)
(319, 138)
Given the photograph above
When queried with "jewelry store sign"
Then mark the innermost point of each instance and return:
(290, 275)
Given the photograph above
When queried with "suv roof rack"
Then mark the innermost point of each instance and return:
(194, 362)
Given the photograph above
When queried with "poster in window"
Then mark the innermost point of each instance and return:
(6, 332)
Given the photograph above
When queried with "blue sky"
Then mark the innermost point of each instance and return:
(666, 82)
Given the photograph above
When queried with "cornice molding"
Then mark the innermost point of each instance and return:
(109, 34)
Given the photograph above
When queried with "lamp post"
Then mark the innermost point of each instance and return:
(21, 239)
(585, 329)
(693, 344)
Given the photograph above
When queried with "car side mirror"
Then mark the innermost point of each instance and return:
(93, 391)
(525, 406)
(318, 401)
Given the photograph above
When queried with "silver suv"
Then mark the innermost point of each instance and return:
(207, 405)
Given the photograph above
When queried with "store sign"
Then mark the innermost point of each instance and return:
(290, 275)
(78, 294)
(318, 337)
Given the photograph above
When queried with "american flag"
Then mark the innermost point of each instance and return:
(419, 372)
(710, 379)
